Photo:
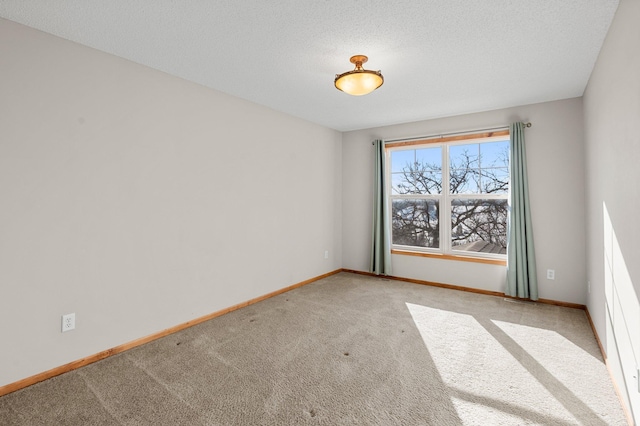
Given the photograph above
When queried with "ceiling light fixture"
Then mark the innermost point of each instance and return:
(359, 81)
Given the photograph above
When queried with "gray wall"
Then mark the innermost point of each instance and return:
(556, 182)
(140, 201)
(612, 135)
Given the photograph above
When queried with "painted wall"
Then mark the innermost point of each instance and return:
(556, 182)
(612, 135)
(140, 201)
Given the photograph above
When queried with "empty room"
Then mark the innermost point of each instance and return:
(305, 212)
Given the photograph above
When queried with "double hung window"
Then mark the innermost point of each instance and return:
(450, 195)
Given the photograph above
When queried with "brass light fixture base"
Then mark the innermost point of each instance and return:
(358, 60)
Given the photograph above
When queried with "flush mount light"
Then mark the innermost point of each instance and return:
(359, 81)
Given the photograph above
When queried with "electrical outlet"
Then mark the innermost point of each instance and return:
(551, 274)
(68, 322)
(326, 254)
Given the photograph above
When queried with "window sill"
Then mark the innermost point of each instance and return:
(451, 257)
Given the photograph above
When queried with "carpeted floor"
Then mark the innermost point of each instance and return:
(347, 349)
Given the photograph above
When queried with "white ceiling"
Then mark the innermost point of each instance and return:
(438, 57)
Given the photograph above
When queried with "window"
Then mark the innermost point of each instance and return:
(450, 195)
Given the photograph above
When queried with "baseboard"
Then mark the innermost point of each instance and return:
(595, 333)
(627, 412)
(20, 384)
(467, 289)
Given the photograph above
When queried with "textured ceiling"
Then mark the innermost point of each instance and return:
(438, 57)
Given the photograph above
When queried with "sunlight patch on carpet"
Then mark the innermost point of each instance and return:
(475, 358)
(554, 356)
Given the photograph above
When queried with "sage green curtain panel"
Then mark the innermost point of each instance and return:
(522, 279)
(381, 233)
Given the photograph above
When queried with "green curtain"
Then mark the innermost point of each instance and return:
(381, 241)
(522, 279)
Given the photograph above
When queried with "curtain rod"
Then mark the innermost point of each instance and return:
(527, 124)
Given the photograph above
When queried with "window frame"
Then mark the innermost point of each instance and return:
(445, 250)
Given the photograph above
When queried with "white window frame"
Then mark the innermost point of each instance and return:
(444, 198)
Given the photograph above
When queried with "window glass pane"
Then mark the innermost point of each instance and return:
(479, 225)
(396, 181)
(427, 182)
(415, 223)
(464, 156)
(418, 173)
(430, 158)
(495, 180)
(494, 154)
(464, 173)
(464, 181)
(402, 159)
(494, 167)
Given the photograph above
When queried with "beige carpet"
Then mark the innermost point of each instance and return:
(348, 349)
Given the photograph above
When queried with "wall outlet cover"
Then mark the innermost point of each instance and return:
(68, 322)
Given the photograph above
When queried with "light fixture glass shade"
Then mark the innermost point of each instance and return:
(359, 81)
